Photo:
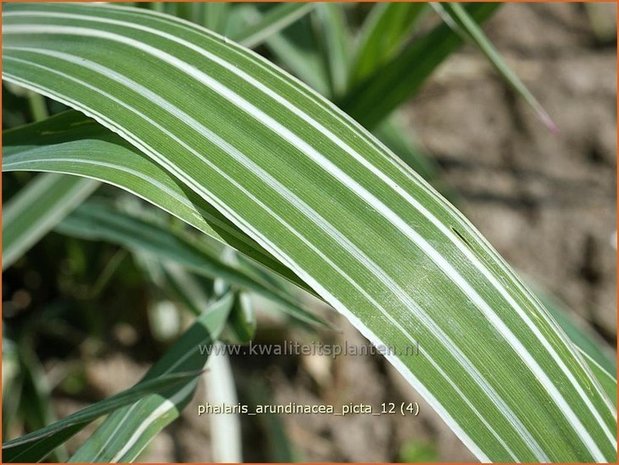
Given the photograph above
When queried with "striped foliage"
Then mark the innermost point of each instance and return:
(140, 411)
(126, 432)
(96, 220)
(70, 143)
(37, 445)
(335, 206)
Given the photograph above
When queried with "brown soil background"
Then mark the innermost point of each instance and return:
(545, 201)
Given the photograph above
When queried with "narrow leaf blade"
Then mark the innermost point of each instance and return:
(340, 210)
(273, 21)
(35, 446)
(376, 96)
(96, 220)
(459, 17)
(125, 433)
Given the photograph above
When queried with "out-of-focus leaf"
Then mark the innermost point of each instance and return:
(298, 50)
(274, 20)
(278, 443)
(415, 451)
(383, 34)
(216, 16)
(11, 383)
(335, 44)
(178, 283)
(579, 333)
(374, 98)
(36, 404)
(35, 446)
(96, 220)
(37, 208)
(221, 390)
(462, 23)
(242, 323)
(127, 431)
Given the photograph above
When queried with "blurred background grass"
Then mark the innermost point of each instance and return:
(82, 322)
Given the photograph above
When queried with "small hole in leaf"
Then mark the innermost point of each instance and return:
(457, 233)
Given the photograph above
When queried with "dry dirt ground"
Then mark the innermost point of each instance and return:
(545, 201)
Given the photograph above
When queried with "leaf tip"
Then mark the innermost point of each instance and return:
(548, 121)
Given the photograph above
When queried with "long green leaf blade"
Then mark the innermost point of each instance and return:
(333, 204)
(70, 143)
(28, 222)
